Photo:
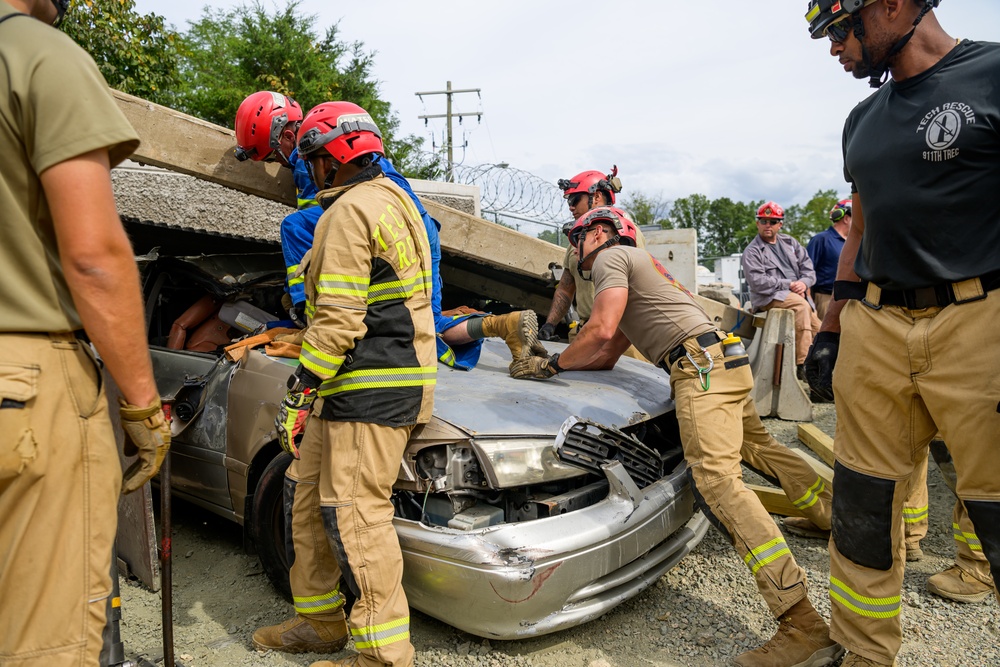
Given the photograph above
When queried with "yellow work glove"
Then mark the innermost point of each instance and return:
(146, 431)
(291, 418)
(534, 368)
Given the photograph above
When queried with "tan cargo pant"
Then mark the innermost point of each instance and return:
(60, 479)
(822, 302)
(719, 426)
(915, 507)
(903, 375)
(806, 323)
(342, 523)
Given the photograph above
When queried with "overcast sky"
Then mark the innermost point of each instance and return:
(720, 98)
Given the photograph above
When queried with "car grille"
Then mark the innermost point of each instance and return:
(589, 445)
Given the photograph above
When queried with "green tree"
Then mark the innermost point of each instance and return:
(551, 235)
(724, 226)
(135, 52)
(229, 54)
(803, 222)
(647, 209)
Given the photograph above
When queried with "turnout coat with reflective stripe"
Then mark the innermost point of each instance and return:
(368, 299)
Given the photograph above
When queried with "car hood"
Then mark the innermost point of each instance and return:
(486, 401)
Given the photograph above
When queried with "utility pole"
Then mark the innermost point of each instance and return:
(449, 115)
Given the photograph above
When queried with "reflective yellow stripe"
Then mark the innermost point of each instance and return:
(448, 358)
(379, 378)
(766, 553)
(310, 310)
(862, 604)
(319, 362)
(335, 283)
(813, 13)
(399, 289)
(914, 514)
(811, 495)
(318, 603)
(383, 634)
(304, 203)
(971, 539)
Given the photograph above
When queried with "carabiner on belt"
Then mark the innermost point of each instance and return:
(706, 381)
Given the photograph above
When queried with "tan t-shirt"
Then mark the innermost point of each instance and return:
(660, 312)
(585, 288)
(55, 106)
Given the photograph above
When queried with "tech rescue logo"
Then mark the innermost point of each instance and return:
(941, 127)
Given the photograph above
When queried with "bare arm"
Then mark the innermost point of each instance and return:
(600, 343)
(562, 299)
(100, 269)
(845, 266)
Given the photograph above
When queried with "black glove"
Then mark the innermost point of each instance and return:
(819, 365)
(547, 332)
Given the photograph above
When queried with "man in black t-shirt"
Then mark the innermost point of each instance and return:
(916, 297)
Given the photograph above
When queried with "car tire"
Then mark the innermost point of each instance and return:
(267, 529)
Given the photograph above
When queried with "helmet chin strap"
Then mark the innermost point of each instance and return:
(879, 73)
(579, 252)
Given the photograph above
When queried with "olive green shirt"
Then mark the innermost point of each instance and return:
(660, 312)
(55, 106)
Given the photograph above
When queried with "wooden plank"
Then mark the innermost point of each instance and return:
(820, 443)
(775, 501)
(188, 145)
(727, 318)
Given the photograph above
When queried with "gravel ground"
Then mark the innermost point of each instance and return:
(703, 612)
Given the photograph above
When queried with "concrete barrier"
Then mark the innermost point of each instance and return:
(776, 390)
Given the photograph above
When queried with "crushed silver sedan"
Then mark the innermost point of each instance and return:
(522, 508)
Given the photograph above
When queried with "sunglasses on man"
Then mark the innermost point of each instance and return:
(769, 222)
(575, 198)
(838, 32)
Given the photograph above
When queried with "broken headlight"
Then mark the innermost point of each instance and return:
(520, 462)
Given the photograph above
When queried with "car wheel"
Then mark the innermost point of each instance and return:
(267, 528)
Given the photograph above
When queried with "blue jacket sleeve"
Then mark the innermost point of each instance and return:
(297, 231)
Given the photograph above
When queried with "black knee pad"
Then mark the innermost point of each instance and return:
(329, 515)
(699, 502)
(985, 517)
(287, 500)
(862, 517)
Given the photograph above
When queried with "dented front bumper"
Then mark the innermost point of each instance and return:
(532, 578)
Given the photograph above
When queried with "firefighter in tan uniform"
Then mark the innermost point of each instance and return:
(585, 191)
(638, 301)
(65, 256)
(367, 374)
(916, 300)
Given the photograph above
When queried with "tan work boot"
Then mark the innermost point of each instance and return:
(914, 552)
(802, 640)
(803, 527)
(855, 660)
(303, 635)
(957, 584)
(519, 330)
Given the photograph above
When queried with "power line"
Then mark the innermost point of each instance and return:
(449, 114)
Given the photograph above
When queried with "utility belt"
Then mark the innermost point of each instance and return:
(57, 336)
(703, 340)
(821, 290)
(936, 296)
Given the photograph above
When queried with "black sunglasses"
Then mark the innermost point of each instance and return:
(838, 32)
(575, 198)
(769, 222)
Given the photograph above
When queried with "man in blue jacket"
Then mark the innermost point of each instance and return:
(824, 251)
